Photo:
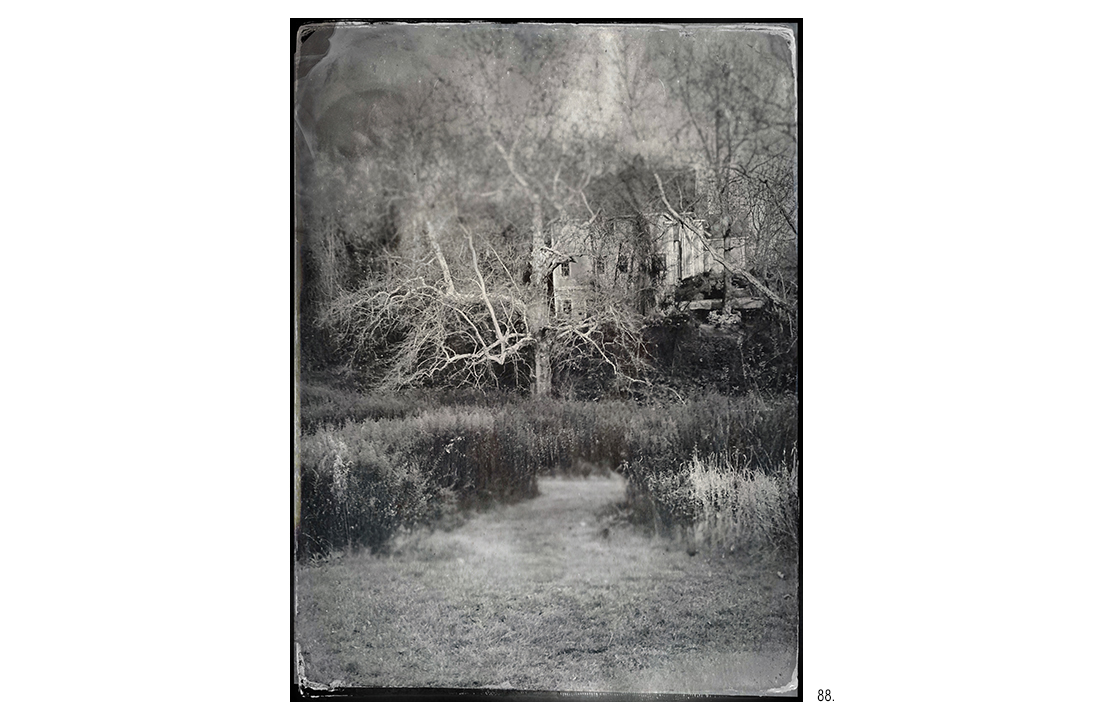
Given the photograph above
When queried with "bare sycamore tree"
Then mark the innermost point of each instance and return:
(468, 297)
(512, 97)
(538, 156)
(470, 321)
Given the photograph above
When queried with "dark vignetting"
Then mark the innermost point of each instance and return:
(547, 346)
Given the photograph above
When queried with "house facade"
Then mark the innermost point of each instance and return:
(598, 259)
(606, 258)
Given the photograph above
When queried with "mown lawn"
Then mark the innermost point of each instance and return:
(549, 594)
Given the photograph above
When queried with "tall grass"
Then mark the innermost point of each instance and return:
(324, 406)
(383, 465)
(720, 505)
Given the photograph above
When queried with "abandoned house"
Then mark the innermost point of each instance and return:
(605, 258)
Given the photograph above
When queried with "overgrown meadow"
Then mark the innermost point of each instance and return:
(719, 470)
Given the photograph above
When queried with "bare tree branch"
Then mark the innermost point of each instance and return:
(740, 272)
(444, 266)
(486, 297)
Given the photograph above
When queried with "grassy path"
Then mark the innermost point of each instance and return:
(548, 595)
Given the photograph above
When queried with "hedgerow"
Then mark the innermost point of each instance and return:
(362, 479)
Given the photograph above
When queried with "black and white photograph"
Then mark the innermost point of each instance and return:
(548, 359)
(419, 359)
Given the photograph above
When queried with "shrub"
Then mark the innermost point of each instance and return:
(364, 480)
(476, 454)
(355, 492)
